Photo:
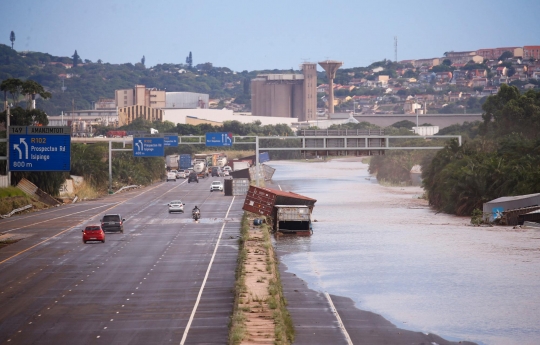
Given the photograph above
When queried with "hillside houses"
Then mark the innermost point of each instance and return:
(443, 83)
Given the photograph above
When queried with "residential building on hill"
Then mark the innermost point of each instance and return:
(495, 53)
(531, 52)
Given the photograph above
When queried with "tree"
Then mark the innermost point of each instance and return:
(511, 71)
(20, 116)
(447, 62)
(506, 55)
(76, 59)
(30, 89)
(247, 86)
(12, 38)
(143, 60)
(189, 60)
(13, 87)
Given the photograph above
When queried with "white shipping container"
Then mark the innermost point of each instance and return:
(240, 186)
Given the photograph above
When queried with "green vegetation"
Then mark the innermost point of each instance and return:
(10, 191)
(87, 82)
(499, 157)
(237, 326)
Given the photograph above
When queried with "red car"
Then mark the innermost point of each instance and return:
(93, 233)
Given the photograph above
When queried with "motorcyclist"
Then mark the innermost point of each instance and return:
(195, 210)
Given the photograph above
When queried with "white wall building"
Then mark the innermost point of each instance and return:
(177, 116)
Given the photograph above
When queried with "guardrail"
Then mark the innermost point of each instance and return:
(126, 187)
(16, 210)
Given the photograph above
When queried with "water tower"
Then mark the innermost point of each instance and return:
(330, 67)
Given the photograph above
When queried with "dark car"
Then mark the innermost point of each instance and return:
(193, 177)
(216, 171)
(112, 222)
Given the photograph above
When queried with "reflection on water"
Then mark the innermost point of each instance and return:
(385, 249)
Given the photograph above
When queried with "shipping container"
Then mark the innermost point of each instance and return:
(263, 157)
(185, 161)
(292, 219)
(240, 186)
(261, 200)
(243, 173)
(239, 165)
(265, 172)
(172, 161)
(227, 186)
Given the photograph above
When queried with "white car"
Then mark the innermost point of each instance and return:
(176, 206)
(171, 176)
(227, 168)
(181, 174)
(216, 185)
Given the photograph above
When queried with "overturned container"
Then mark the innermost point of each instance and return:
(292, 219)
(290, 212)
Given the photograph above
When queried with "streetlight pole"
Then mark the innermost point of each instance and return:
(8, 115)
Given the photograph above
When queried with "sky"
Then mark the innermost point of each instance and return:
(256, 35)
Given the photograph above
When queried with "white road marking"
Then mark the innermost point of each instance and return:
(204, 280)
(349, 341)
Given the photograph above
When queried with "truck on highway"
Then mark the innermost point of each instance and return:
(185, 161)
(172, 162)
(200, 164)
(116, 134)
(219, 159)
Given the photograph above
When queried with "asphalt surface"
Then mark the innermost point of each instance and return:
(165, 280)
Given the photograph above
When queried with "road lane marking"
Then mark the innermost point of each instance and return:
(341, 325)
(67, 215)
(58, 234)
(204, 280)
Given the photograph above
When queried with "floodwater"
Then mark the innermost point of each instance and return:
(423, 271)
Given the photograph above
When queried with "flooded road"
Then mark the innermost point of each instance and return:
(385, 249)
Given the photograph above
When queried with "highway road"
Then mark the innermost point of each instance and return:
(165, 280)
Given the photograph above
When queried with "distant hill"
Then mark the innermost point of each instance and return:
(92, 80)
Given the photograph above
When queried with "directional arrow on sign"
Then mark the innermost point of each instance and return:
(26, 148)
(16, 147)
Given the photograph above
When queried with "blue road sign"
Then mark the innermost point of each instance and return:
(148, 147)
(170, 139)
(219, 139)
(39, 148)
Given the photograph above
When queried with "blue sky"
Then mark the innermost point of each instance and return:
(254, 35)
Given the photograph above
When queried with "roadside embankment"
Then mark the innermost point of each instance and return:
(260, 315)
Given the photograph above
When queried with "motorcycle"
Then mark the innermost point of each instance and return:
(196, 215)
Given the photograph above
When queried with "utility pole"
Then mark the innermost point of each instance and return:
(8, 115)
(395, 48)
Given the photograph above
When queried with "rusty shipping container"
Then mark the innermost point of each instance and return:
(262, 200)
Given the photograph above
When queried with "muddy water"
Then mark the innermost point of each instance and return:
(384, 248)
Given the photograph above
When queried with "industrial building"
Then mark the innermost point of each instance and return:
(140, 95)
(216, 117)
(149, 103)
(186, 100)
(286, 95)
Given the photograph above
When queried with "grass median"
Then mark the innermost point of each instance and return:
(260, 311)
